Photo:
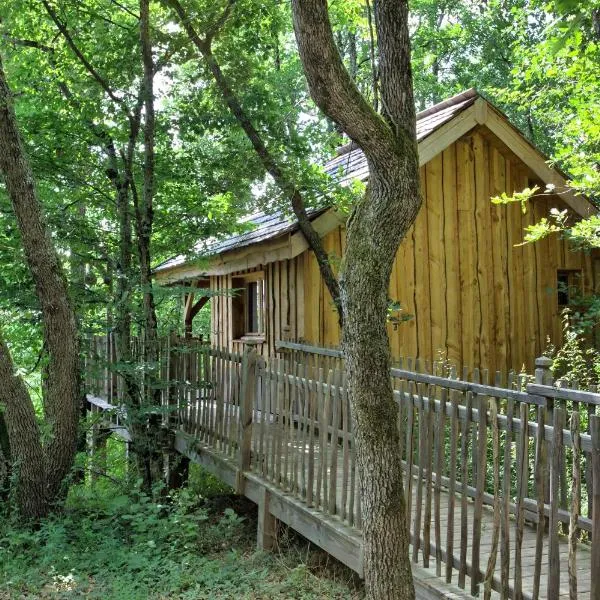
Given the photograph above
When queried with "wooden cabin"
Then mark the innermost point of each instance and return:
(470, 292)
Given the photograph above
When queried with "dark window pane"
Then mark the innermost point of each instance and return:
(562, 286)
(253, 317)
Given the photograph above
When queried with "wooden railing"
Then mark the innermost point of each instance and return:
(502, 484)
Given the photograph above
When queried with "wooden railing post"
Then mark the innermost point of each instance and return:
(247, 397)
(543, 376)
(595, 563)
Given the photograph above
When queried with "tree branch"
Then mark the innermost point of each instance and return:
(330, 83)
(82, 59)
(27, 43)
(268, 160)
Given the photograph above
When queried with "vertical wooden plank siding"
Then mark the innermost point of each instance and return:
(483, 251)
(405, 270)
(475, 294)
(501, 321)
(422, 291)
(434, 206)
(468, 260)
(452, 257)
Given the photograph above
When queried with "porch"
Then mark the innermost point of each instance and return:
(500, 480)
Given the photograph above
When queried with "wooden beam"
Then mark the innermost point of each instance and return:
(441, 138)
(514, 139)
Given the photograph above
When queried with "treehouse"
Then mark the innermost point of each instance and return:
(463, 286)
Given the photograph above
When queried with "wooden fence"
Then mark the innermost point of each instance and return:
(502, 484)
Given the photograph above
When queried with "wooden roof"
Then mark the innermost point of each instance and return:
(351, 163)
(258, 227)
(437, 128)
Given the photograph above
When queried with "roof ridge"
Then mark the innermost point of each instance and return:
(456, 99)
(453, 100)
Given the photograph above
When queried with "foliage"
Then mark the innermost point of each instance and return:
(574, 362)
(112, 541)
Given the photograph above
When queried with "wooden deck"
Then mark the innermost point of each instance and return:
(503, 498)
(343, 541)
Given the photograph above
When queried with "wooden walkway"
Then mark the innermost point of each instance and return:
(433, 564)
(502, 481)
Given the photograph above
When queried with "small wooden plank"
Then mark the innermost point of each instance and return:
(328, 402)
(575, 505)
(491, 566)
(506, 493)
(522, 477)
(439, 450)
(553, 525)
(540, 486)
(478, 504)
(333, 466)
(345, 447)
(464, 447)
(312, 412)
(429, 441)
(410, 445)
(303, 409)
(595, 561)
(452, 486)
(321, 409)
(419, 504)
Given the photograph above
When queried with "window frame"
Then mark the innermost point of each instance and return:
(245, 283)
(574, 287)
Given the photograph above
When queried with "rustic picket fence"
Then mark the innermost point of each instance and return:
(502, 483)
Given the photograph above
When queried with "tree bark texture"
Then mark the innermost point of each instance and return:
(5, 459)
(375, 229)
(147, 443)
(61, 408)
(27, 454)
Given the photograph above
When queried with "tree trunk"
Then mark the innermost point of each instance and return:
(377, 225)
(5, 460)
(148, 435)
(27, 453)
(61, 409)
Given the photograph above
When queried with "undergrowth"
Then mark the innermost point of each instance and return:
(111, 542)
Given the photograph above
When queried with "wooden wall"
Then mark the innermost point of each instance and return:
(284, 314)
(476, 297)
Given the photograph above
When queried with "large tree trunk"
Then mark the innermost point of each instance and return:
(27, 453)
(61, 407)
(378, 224)
(148, 449)
(5, 460)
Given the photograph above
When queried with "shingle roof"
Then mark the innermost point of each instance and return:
(349, 164)
(260, 227)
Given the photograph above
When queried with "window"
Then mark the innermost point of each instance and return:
(254, 307)
(568, 286)
(248, 306)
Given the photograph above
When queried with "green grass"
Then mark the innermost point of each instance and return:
(111, 544)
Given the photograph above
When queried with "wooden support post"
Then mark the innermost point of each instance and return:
(554, 565)
(247, 398)
(595, 563)
(266, 535)
(543, 376)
